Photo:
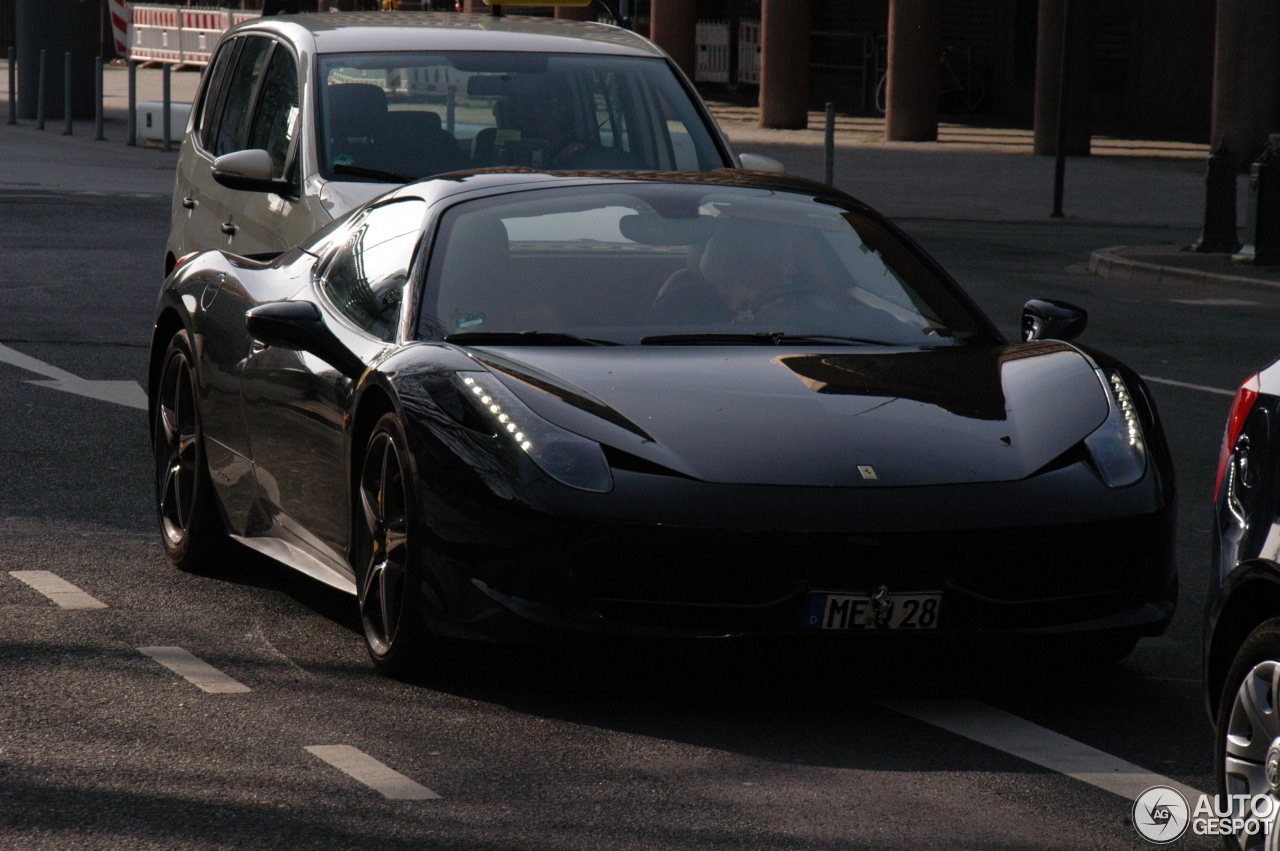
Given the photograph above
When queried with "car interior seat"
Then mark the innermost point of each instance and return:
(357, 123)
(419, 146)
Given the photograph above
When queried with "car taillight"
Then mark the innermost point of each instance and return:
(1240, 408)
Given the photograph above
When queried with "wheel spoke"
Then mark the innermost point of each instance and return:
(168, 422)
(168, 489)
(369, 510)
(1252, 773)
(1255, 699)
(396, 537)
(387, 593)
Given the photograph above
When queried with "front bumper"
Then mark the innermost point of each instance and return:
(1110, 572)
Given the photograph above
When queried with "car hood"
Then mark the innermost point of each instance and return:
(340, 197)
(855, 417)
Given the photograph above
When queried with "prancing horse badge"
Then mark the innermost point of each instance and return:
(867, 472)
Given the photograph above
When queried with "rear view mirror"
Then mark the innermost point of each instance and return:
(1049, 319)
(249, 171)
(299, 325)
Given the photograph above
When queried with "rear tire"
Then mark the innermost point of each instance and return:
(387, 555)
(190, 526)
(1248, 724)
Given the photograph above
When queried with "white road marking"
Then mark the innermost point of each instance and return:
(127, 393)
(1013, 735)
(358, 764)
(199, 673)
(58, 589)
(1216, 302)
(1201, 387)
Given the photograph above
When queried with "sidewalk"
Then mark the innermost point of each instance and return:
(1175, 264)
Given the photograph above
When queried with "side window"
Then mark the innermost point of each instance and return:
(365, 278)
(274, 124)
(213, 92)
(240, 88)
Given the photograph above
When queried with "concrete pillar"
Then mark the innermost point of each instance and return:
(784, 64)
(915, 53)
(673, 26)
(1246, 76)
(576, 13)
(1049, 77)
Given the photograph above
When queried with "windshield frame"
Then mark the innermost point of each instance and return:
(691, 97)
(984, 331)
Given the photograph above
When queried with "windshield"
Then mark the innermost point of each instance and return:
(642, 262)
(402, 116)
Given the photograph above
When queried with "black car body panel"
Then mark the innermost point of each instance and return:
(1243, 581)
(738, 473)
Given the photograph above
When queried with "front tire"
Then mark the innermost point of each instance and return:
(1247, 729)
(387, 556)
(190, 525)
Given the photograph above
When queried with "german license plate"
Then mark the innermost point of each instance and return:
(915, 610)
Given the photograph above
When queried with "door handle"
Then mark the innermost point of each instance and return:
(229, 229)
(190, 203)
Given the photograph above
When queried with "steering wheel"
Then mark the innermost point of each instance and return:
(803, 294)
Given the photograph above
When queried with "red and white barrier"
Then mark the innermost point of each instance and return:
(176, 35)
(713, 52)
(749, 52)
(120, 25)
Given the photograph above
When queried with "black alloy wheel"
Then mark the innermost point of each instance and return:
(1247, 738)
(388, 560)
(190, 525)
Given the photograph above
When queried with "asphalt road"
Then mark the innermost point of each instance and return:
(644, 747)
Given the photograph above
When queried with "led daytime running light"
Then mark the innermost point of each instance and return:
(503, 418)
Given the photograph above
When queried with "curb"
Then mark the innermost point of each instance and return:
(1106, 263)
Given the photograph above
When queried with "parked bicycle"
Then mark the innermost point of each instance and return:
(962, 87)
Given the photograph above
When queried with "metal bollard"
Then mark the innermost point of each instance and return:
(829, 147)
(66, 93)
(1263, 227)
(13, 85)
(1219, 234)
(40, 92)
(97, 101)
(165, 118)
(131, 137)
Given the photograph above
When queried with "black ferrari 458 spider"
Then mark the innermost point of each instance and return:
(508, 404)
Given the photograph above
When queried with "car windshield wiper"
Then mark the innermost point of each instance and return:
(374, 173)
(761, 339)
(522, 338)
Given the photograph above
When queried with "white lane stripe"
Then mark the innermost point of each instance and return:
(358, 764)
(1013, 735)
(13, 357)
(1185, 385)
(199, 673)
(58, 589)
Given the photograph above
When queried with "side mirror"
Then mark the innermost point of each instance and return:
(755, 162)
(299, 325)
(249, 171)
(1049, 319)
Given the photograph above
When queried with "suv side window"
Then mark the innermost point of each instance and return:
(244, 81)
(366, 277)
(274, 121)
(213, 92)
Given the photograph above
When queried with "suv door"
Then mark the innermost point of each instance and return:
(212, 224)
(266, 221)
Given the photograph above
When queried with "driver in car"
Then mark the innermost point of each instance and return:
(540, 109)
(747, 274)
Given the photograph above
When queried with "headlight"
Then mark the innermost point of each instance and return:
(1117, 448)
(564, 456)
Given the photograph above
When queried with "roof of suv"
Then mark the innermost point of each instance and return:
(378, 32)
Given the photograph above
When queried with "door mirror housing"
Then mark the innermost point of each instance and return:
(756, 162)
(249, 171)
(1049, 319)
(299, 325)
